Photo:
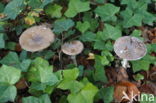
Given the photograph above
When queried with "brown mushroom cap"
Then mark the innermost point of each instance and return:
(130, 48)
(72, 48)
(36, 38)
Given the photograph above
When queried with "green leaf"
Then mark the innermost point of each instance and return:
(143, 64)
(1, 7)
(11, 45)
(7, 93)
(9, 75)
(111, 32)
(130, 3)
(140, 65)
(136, 33)
(46, 2)
(37, 88)
(41, 71)
(11, 59)
(88, 16)
(34, 3)
(135, 4)
(138, 77)
(72, 85)
(149, 18)
(99, 74)
(136, 13)
(74, 73)
(75, 7)
(88, 37)
(63, 25)
(86, 95)
(108, 54)
(69, 81)
(83, 27)
(99, 45)
(2, 41)
(14, 8)
(53, 10)
(25, 65)
(107, 94)
(107, 12)
(42, 99)
(46, 54)
(133, 20)
(37, 4)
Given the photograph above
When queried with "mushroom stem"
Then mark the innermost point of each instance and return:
(125, 63)
(73, 57)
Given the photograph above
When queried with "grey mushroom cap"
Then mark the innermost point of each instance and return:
(72, 48)
(36, 38)
(130, 48)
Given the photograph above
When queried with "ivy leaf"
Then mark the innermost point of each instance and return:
(39, 3)
(1, 7)
(86, 95)
(63, 25)
(75, 7)
(41, 71)
(130, 3)
(37, 88)
(14, 8)
(69, 81)
(11, 59)
(7, 93)
(46, 54)
(148, 18)
(34, 3)
(107, 12)
(74, 74)
(31, 99)
(107, 94)
(88, 16)
(100, 62)
(53, 10)
(88, 37)
(25, 65)
(82, 27)
(9, 75)
(10, 45)
(136, 33)
(136, 13)
(133, 4)
(2, 41)
(130, 19)
(111, 32)
(72, 85)
(46, 2)
(143, 64)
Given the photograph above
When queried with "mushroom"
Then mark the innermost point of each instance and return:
(72, 48)
(36, 38)
(129, 48)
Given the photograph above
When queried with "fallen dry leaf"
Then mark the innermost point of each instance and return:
(126, 87)
(149, 88)
(116, 74)
(21, 84)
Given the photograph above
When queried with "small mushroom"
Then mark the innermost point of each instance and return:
(129, 48)
(72, 48)
(36, 38)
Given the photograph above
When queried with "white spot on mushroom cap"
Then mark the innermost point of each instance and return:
(36, 38)
(72, 48)
(130, 48)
